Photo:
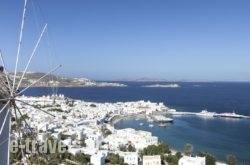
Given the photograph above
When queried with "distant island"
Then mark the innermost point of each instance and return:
(162, 86)
(60, 81)
(145, 79)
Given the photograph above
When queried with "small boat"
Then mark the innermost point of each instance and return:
(141, 123)
(150, 120)
(151, 125)
(162, 124)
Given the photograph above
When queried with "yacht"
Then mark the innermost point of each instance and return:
(163, 119)
(205, 113)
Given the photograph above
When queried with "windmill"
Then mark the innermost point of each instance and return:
(10, 88)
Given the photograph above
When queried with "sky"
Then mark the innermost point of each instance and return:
(175, 40)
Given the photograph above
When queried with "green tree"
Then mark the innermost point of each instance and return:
(123, 148)
(173, 159)
(161, 149)
(82, 158)
(231, 159)
(131, 148)
(188, 149)
(115, 159)
(178, 155)
(164, 148)
(210, 159)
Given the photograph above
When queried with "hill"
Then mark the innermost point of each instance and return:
(60, 81)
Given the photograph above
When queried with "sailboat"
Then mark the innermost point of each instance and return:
(10, 88)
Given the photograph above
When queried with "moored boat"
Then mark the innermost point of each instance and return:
(229, 115)
(163, 119)
(162, 124)
(151, 125)
(205, 113)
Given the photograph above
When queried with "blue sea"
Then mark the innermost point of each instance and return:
(218, 136)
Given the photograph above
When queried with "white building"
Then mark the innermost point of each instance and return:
(131, 158)
(188, 160)
(97, 159)
(152, 160)
(140, 139)
(93, 141)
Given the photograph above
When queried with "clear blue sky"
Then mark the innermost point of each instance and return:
(200, 40)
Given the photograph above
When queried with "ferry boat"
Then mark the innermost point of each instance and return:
(229, 115)
(205, 113)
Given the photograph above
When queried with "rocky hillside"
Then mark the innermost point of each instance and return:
(59, 81)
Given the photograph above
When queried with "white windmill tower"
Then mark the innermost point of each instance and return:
(10, 89)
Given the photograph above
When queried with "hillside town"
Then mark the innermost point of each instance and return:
(87, 129)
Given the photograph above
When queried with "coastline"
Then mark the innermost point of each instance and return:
(204, 124)
(117, 119)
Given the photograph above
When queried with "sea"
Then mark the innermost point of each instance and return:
(217, 136)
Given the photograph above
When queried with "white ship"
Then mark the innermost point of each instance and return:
(163, 119)
(205, 113)
(230, 115)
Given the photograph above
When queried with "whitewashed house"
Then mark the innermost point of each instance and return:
(131, 158)
(151, 160)
(97, 159)
(188, 160)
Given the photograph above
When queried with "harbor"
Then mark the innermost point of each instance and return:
(202, 131)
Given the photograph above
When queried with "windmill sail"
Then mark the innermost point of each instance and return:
(9, 90)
